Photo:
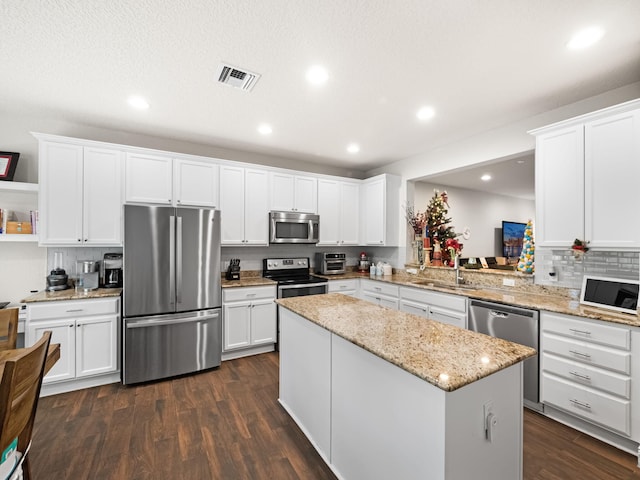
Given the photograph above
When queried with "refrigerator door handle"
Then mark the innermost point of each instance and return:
(172, 258)
(171, 321)
(179, 259)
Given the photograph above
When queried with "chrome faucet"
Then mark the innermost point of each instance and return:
(456, 267)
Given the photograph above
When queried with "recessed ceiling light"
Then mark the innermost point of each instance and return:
(426, 113)
(519, 162)
(138, 102)
(486, 177)
(265, 129)
(585, 38)
(317, 75)
(353, 148)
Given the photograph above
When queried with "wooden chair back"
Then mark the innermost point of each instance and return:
(8, 328)
(19, 392)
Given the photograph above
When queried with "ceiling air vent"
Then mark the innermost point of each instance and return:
(236, 77)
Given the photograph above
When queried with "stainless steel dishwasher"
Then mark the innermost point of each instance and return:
(518, 325)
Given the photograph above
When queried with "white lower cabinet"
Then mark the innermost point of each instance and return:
(442, 307)
(586, 370)
(346, 287)
(87, 331)
(249, 320)
(380, 293)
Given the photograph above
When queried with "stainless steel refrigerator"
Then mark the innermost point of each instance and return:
(172, 319)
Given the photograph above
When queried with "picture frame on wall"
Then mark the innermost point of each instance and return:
(8, 163)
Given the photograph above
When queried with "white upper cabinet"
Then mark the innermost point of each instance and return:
(195, 183)
(148, 179)
(612, 171)
(80, 195)
(102, 205)
(380, 210)
(244, 206)
(293, 193)
(338, 207)
(586, 180)
(559, 175)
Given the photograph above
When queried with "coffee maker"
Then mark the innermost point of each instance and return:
(112, 265)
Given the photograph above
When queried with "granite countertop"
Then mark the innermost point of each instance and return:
(525, 299)
(72, 294)
(443, 355)
(247, 281)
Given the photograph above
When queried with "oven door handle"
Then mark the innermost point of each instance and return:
(302, 285)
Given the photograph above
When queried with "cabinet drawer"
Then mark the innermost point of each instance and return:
(447, 316)
(248, 293)
(588, 376)
(380, 288)
(602, 333)
(73, 308)
(596, 407)
(443, 300)
(343, 285)
(587, 353)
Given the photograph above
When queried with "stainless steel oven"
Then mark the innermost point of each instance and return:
(331, 263)
(294, 279)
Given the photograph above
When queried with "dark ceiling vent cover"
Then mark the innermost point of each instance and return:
(236, 77)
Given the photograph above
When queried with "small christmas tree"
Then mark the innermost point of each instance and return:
(525, 264)
(438, 227)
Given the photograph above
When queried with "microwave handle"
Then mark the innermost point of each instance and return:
(313, 230)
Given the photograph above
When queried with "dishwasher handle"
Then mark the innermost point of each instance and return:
(504, 309)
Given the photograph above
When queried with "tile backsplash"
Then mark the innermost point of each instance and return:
(569, 270)
(70, 255)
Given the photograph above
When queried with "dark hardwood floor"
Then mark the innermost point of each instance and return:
(227, 424)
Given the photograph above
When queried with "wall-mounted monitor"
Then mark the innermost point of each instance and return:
(512, 238)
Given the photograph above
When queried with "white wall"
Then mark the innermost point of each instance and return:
(480, 211)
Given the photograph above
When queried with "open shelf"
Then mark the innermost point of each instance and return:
(18, 187)
(17, 237)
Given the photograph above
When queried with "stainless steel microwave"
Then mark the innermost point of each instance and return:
(293, 227)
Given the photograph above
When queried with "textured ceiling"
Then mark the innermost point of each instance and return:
(481, 64)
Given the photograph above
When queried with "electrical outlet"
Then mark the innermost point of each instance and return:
(508, 282)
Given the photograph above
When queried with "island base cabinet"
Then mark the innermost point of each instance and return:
(305, 378)
(371, 419)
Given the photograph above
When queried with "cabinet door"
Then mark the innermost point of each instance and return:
(349, 214)
(374, 217)
(256, 211)
(62, 332)
(612, 170)
(329, 211)
(560, 187)
(306, 194)
(237, 325)
(263, 322)
(195, 183)
(448, 316)
(415, 308)
(102, 215)
(282, 192)
(148, 179)
(232, 205)
(60, 200)
(96, 345)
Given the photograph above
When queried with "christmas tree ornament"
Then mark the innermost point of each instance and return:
(526, 261)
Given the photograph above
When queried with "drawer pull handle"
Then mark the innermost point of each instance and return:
(580, 354)
(578, 403)
(251, 294)
(75, 310)
(579, 332)
(377, 288)
(583, 377)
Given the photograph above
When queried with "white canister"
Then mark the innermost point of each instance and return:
(386, 269)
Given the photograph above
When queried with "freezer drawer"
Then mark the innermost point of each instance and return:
(168, 345)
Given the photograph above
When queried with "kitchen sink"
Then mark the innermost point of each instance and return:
(449, 286)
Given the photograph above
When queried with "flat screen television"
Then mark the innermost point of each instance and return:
(512, 238)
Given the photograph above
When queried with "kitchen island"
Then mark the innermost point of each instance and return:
(384, 394)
